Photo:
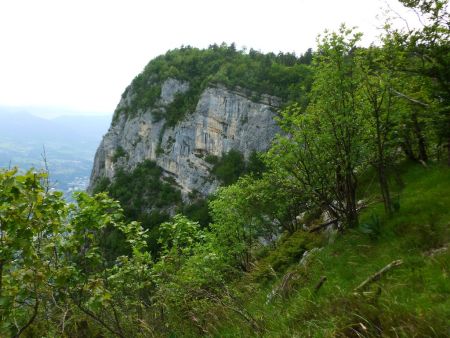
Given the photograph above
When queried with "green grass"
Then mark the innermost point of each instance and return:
(412, 300)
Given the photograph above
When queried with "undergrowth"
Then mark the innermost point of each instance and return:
(294, 294)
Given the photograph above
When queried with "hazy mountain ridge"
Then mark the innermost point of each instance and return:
(69, 144)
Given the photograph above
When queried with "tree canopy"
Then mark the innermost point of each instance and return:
(284, 75)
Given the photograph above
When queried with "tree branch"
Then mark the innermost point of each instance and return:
(404, 96)
(93, 316)
(30, 321)
(322, 280)
(379, 274)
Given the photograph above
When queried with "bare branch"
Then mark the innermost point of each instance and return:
(322, 280)
(99, 320)
(404, 96)
(379, 274)
(30, 321)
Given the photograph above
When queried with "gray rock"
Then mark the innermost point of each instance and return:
(170, 88)
(223, 120)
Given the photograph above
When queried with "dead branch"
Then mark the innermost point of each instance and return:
(99, 320)
(233, 306)
(404, 96)
(379, 274)
(197, 324)
(322, 280)
(437, 251)
(335, 221)
(323, 225)
(284, 287)
(31, 320)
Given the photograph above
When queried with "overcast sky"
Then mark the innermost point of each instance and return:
(80, 55)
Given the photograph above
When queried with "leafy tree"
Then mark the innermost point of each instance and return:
(145, 197)
(250, 210)
(229, 167)
(198, 211)
(379, 75)
(336, 102)
(190, 269)
(324, 146)
(54, 273)
(430, 45)
(234, 231)
(31, 223)
(91, 282)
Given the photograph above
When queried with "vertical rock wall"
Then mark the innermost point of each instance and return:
(223, 120)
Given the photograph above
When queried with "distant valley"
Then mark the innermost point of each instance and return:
(69, 142)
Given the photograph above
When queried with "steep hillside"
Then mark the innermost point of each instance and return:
(336, 290)
(185, 113)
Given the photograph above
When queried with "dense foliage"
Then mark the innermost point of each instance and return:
(232, 165)
(363, 160)
(54, 274)
(148, 197)
(284, 75)
(145, 197)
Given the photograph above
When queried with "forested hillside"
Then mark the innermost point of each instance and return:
(284, 75)
(341, 229)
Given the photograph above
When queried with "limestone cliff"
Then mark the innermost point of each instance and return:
(223, 119)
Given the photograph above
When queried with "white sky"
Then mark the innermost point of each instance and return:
(81, 54)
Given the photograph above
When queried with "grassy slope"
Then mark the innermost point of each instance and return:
(412, 300)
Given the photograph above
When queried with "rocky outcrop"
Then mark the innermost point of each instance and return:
(224, 119)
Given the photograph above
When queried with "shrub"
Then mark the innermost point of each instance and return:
(120, 152)
(229, 167)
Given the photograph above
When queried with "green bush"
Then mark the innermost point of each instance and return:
(255, 165)
(211, 159)
(101, 185)
(142, 193)
(232, 165)
(291, 250)
(198, 212)
(372, 227)
(120, 152)
(229, 167)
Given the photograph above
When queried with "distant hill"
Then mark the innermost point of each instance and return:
(26, 126)
(69, 143)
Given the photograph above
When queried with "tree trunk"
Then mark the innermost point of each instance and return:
(381, 165)
(448, 151)
(384, 187)
(1, 278)
(351, 207)
(407, 147)
(423, 156)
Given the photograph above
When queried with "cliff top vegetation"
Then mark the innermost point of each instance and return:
(284, 75)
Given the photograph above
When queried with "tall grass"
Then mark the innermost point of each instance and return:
(412, 300)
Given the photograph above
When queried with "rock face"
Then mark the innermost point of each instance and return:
(223, 120)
